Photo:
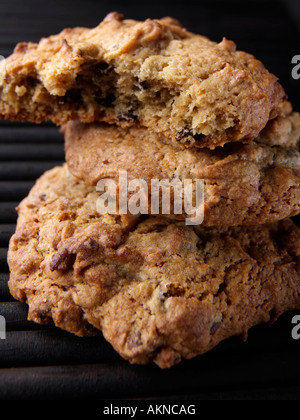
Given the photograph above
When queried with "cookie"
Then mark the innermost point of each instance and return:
(192, 90)
(159, 290)
(244, 184)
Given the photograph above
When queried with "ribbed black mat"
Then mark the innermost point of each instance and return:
(43, 362)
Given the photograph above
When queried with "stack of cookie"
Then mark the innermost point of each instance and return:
(156, 101)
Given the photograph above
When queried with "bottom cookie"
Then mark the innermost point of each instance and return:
(159, 290)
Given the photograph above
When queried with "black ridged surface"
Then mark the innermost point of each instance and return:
(43, 362)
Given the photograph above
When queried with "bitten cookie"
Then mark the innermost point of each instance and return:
(184, 86)
(244, 184)
(159, 290)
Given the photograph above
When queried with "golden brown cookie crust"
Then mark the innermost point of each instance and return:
(159, 290)
(184, 86)
(244, 184)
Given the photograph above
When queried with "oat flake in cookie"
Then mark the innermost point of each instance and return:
(160, 291)
(176, 83)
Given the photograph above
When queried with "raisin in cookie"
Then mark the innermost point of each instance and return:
(158, 289)
(184, 86)
(244, 184)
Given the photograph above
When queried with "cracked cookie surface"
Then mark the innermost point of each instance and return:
(244, 184)
(176, 83)
(159, 290)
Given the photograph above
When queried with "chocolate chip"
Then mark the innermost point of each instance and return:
(187, 132)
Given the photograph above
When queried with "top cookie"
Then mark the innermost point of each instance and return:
(184, 86)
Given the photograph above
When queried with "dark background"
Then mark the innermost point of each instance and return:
(43, 362)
